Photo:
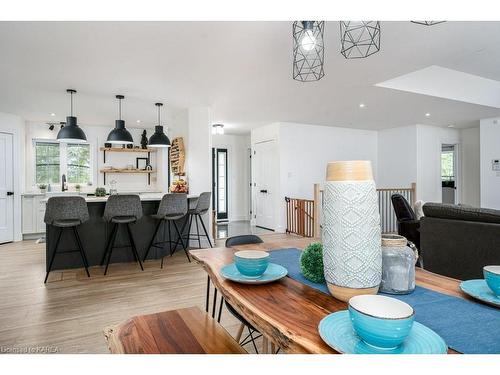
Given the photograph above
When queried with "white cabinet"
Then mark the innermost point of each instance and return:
(33, 211)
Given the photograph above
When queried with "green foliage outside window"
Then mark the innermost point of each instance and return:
(47, 163)
(78, 163)
(447, 172)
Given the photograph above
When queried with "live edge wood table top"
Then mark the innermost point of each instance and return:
(288, 312)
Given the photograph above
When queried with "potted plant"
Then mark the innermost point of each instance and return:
(43, 188)
(100, 192)
(78, 187)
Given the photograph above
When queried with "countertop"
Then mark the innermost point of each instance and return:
(93, 199)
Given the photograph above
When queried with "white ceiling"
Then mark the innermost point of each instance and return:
(241, 69)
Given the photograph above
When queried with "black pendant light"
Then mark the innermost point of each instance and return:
(71, 132)
(119, 135)
(159, 138)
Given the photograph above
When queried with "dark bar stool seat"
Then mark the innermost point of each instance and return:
(172, 207)
(121, 210)
(67, 213)
(201, 207)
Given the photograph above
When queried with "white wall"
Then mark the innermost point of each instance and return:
(490, 149)
(471, 176)
(199, 155)
(304, 151)
(238, 173)
(397, 157)
(15, 125)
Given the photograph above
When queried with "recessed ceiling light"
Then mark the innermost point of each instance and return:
(361, 105)
(451, 126)
(427, 114)
(138, 121)
(52, 114)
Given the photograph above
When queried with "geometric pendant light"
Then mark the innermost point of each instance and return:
(359, 39)
(119, 135)
(427, 23)
(308, 50)
(159, 138)
(71, 132)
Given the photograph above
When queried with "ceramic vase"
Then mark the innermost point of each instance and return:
(352, 255)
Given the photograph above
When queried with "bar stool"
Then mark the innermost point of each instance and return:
(201, 207)
(121, 210)
(67, 213)
(172, 207)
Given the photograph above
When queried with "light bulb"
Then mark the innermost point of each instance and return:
(308, 41)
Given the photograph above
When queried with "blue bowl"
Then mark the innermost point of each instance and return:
(382, 322)
(251, 263)
(492, 277)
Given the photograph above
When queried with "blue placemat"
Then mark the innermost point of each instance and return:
(467, 327)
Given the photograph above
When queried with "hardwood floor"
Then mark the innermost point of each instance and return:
(69, 313)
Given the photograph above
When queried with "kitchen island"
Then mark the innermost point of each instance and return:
(95, 232)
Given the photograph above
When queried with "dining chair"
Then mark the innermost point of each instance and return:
(246, 239)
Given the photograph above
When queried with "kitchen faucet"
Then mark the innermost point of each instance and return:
(63, 182)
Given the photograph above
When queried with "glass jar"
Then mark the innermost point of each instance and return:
(398, 265)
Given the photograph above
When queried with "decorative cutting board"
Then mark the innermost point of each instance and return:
(177, 156)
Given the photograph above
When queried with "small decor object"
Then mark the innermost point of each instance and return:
(130, 145)
(492, 277)
(359, 39)
(308, 50)
(141, 163)
(251, 263)
(352, 255)
(177, 156)
(112, 189)
(100, 192)
(311, 263)
(43, 188)
(78, 187)
(149, 167)
(144, 140)
(107, 145)
(273, 273)
(398, 265)
(179, 186)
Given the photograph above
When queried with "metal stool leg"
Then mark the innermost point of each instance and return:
(110, 239)
(82, 252)
(134, 249)
(152, 240)
(53, 255)
(111, 243)
(205, 230)
(182, 242)
(197, 231)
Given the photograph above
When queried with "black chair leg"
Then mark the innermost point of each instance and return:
(220, 309)
(152, 240)
(214, 303)
(205, 230)
(110, 240)
(197, 231)
(134, 249)
(208, 294)
(182, 242)
(82, 252)
(111, 243)
(53, 255)
(182, 231)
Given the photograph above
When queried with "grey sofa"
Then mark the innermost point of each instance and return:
(458, 241)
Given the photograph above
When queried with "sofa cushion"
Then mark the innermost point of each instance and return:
(461, 212)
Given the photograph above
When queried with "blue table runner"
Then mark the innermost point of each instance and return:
(465, 326)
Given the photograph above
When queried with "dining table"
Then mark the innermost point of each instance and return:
(286, 312)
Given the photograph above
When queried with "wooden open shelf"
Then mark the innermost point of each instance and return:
(119, 149)
(127, 171)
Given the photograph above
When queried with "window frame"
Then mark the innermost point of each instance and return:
(63, 160)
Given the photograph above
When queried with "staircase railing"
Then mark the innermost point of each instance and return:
(305, 216)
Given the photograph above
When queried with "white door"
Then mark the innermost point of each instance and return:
(265, 182)
(6, 189)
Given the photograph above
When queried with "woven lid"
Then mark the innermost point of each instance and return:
(394, 240)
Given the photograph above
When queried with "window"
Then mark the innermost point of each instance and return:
(47, 163)
(53, 159)
(78, 163)
(447, 170)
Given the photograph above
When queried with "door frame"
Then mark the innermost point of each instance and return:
(215, 168)
(13, 143)
(457, 169)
